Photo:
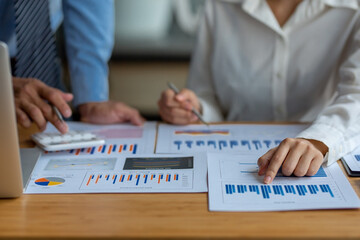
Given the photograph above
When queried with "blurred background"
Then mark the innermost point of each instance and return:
(153, 44)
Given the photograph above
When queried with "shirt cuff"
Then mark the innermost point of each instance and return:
(89, 89)
(209, 112)
(330, 136)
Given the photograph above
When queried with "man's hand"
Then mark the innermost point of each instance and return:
(109, 112)
(295, 155)
(32, 103)
(177, 108)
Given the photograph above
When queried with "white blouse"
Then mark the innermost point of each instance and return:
(246, 67)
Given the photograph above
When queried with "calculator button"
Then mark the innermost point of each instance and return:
(56, 139)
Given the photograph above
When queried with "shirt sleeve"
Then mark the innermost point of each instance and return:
(338, 126)
(200, 78)
(89, 39)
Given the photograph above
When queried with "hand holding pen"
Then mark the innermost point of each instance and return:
(179, 107)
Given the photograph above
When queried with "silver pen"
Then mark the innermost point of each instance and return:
(176, 90)
(58, 114)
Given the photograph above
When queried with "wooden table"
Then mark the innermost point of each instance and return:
(179, 216)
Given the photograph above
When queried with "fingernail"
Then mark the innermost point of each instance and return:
(180, 97)
(267, 180)
(67, 113)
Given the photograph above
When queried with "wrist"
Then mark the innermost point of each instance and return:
(322, 147)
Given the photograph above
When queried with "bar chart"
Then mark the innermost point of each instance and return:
(219, 145)
(234, 185)
(138, 179)
(105, 149)
(285, 191)
(222, 138)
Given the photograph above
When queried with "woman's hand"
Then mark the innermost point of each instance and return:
(295, 155)
(177, 108)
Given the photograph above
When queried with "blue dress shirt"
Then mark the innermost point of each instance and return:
(89, 39)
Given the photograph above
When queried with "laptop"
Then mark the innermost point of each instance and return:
(12, 178)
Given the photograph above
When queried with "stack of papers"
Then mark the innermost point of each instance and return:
(352, 163)
(184, 156)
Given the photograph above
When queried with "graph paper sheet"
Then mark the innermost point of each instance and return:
(119, 174)
(353, 160)
(235, 186)
(233, 138)
(119, 139)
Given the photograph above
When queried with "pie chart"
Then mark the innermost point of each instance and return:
(49, 181)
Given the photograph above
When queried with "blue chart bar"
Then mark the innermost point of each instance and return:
(114, 148)
(103, 149)
(146, 177)
(357, 157)
(92, 150)
(279, 190)
(135, 148)
(137, 179)
(114, 179)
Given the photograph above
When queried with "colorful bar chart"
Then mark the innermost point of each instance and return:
(106, 149)
(138, 179)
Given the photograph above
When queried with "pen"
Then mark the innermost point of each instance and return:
(58, 114)
(176, 90)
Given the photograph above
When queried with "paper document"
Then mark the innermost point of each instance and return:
(119, 174)
(353, 160)
(236, 138)
(235, 186)
(119, 139)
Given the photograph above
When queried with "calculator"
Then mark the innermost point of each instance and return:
(56, 141)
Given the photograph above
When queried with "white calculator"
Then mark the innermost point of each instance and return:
(56, 141)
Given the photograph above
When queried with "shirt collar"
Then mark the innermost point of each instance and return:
(259, 10)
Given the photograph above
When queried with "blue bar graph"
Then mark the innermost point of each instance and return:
(223, 144)
(278, 190)
(357, 157)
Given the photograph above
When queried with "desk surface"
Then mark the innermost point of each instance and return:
(160, 216)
